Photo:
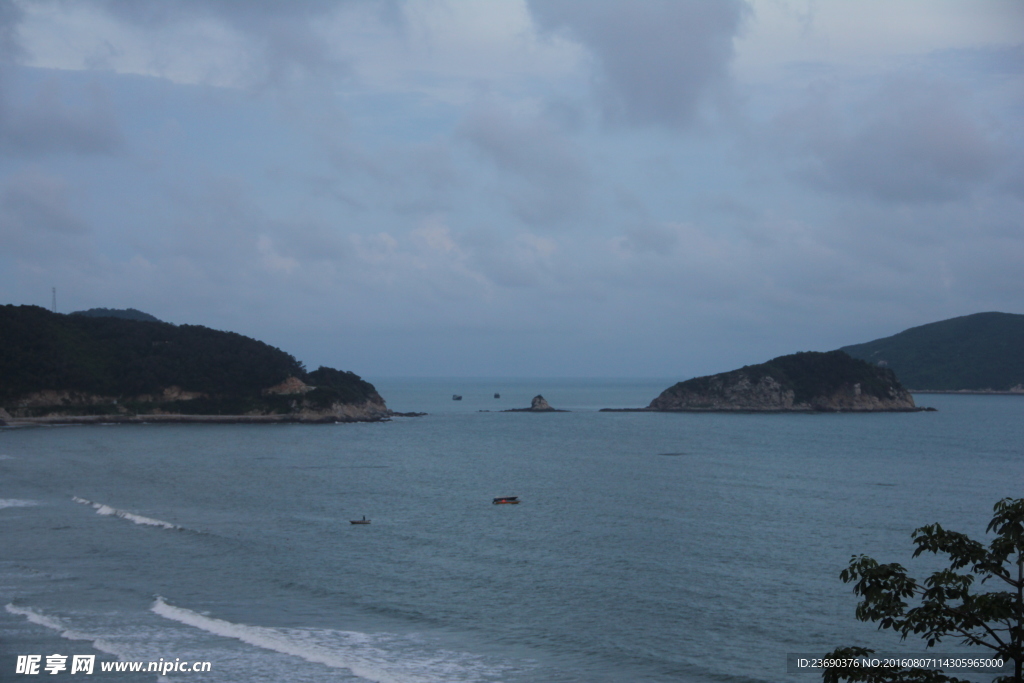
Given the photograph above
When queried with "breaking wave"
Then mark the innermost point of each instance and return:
(60, 627)
(378, 657)
(102, 509)
(15, 503)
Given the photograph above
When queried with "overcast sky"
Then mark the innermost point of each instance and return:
(517, 187)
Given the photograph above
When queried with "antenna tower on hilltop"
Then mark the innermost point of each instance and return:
(54, 300)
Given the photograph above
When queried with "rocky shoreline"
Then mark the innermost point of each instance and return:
(174, 419)
(971, 392)
(369, 411)
(55, 420)
(802, 409)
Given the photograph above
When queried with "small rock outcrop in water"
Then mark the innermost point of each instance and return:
(810, 381)
(538, 405)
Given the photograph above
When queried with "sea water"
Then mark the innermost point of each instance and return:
(647, 548)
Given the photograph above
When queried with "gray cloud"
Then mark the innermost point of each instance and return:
(415, 179)
(658, 60)
(1003, 60)
(520, 261)
(37, 220)
(1013, 177)
(37, 201)
(47, 123)
(507, 231)
(907, 142)
(283, 35)
(10, 17)
(649, 238)
(545, 177)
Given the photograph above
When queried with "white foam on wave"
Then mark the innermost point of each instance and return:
(102, 509)
(60, 627)
(15, 503)
(365, 655)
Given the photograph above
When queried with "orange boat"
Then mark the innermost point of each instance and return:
(506, 500)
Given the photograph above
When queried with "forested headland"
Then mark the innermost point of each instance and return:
(979, 352)
(55, 364)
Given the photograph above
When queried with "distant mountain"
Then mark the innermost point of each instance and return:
(124, 313)
(980, 352)
(82, 365)
(809, 381)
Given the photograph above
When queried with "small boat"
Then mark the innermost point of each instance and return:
(497, 395)
(364, 520)
(506, 500)
(456, 397)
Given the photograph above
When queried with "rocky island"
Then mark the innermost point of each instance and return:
(112, 368)
(538, 405)
(801, 382)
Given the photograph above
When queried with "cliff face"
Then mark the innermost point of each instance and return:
(800, 382)
(368, 411)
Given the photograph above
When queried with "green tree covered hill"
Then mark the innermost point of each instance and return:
(979, 352)
(86, 363)
(126, 313)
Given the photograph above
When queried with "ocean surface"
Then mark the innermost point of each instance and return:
(648, 547)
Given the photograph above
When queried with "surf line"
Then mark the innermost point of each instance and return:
(281, 642)
(55, 624)
(106, 510)
(16, 503)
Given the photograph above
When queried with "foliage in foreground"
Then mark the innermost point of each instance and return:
(948, 608)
